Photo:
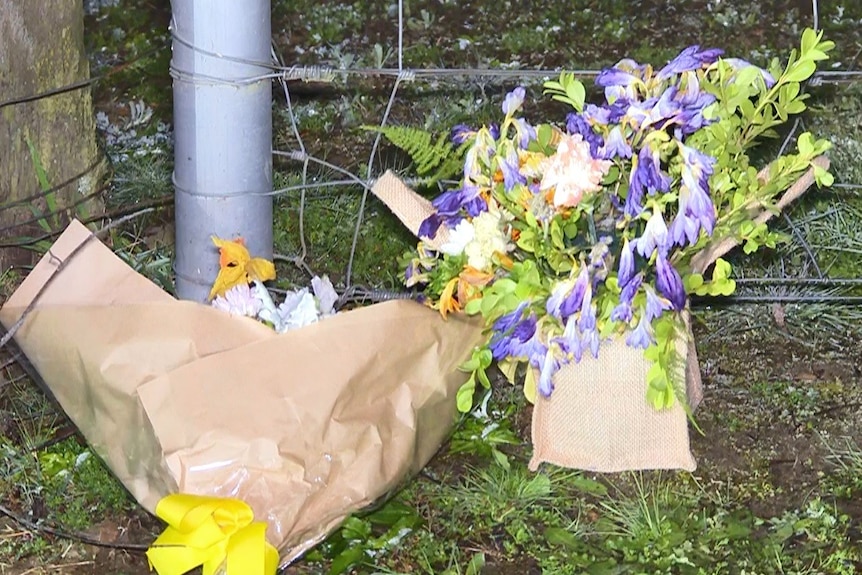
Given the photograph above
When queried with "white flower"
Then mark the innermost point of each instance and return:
(239, 300)
(325, 294)
(572, 171)
(298, 310)
(462, 235)
(489, 238)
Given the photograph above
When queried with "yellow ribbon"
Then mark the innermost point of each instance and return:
(209, 531)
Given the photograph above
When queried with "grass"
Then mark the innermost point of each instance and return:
(777, 487)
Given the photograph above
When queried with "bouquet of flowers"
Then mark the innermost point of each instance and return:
(239, 290)
(562, 236)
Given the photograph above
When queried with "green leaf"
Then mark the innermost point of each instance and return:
(346, 559)
(473, 306)
(822, 176)
(692, 282)
(805, 143)
(800, 71)
(464, 397)
(563, 538)
(476, 565)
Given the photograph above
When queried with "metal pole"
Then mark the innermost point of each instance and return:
(223, 134)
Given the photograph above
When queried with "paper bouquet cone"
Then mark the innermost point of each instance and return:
(178, 397)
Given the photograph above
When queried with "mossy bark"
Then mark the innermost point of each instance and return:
(41, 49)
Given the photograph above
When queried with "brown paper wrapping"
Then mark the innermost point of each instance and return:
(306, 426)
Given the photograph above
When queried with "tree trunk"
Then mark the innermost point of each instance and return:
(50, 140)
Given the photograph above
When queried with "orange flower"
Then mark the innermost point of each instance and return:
(448, 302)
(238, 267)
(471, 280)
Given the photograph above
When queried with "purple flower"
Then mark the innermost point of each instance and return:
(429, 226)
(623, 310)
(614, 76)
(526, 133)
(462, 133)
(587, 318)
(692, 102)
(522, 341)
(692, 58)
(654, 236)
(511, 168)
(642, 336)
(570, 342)
(669, 282)
(627, 263)
(646, 176)
(615, 145)
(696, 210)
(655, 305)
(596, 115)
(451, 202)
(575, 300)
(508, 321)
(514, 100)
(550, 366)
(577, 124)
(621, 81)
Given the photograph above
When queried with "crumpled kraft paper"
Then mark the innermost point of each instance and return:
(306, 426)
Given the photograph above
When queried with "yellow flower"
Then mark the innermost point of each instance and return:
(448, 302)
(238, 267)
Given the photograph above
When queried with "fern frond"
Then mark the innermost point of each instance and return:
(435, 160)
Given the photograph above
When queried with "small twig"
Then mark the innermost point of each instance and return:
(79, 537)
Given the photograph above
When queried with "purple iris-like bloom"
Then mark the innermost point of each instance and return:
(462, 133)
(623, 310)
(642, 336)
(627, 264)
(521, 342)
(692, 58)
(550, 366)
(514, 100)
(647, 176)
(655, 305)
(669, 282)
(511, 168)
(587, 324)
(453, 201)
(516, 336)
(429, 226)
(655, 236)
(526, 133)
(558, 294)
(577, 124)
(739, 64)
(587, 319)
(575, 300)
(621, 80)
(508, 321)
(615, 145)
(696, 210)
(615, 77)
(570, 342)
(494, 130)
(595, 115)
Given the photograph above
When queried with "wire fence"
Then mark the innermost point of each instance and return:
(288, 77)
